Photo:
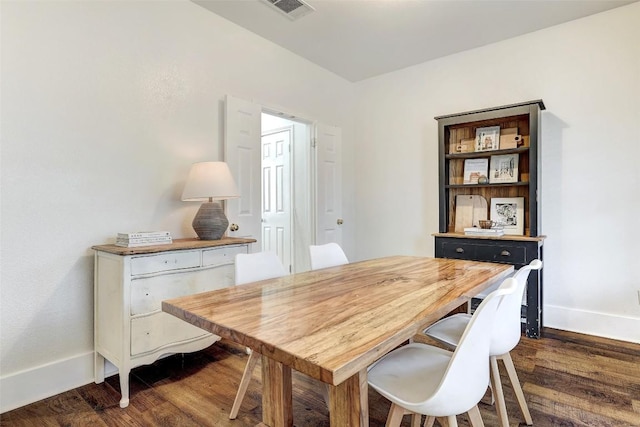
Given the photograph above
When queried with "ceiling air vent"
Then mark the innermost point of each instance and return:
(292, 9)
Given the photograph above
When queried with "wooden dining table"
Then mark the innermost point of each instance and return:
(331, 324)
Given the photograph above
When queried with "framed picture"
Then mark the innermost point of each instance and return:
(504, 168)
(509, 213)
(474, 169)
(488, 138)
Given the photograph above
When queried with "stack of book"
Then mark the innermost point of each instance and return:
(143, 238)
(477, 231)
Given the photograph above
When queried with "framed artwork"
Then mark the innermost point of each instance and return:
(504, 168)
(474, 169)
(488, 138)
(508, 212)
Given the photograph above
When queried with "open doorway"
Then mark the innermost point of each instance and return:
(315, 193)
(286, 196)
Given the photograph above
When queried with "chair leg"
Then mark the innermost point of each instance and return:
(474, 417)
(452, 421)
(515, 383)
(501, 406)
(395, 416)
(429, 421)
(416, 420)
(244, 383)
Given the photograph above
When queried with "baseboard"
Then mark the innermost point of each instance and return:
(25, 387)
(592, 323)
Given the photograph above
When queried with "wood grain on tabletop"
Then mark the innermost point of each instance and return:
(331, 323)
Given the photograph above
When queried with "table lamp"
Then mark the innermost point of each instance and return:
(209, 182)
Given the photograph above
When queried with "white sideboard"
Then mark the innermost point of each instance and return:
(130, 284)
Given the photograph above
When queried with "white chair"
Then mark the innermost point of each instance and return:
(251, 268)
(328, 255)
(448, 331)
(421, 379)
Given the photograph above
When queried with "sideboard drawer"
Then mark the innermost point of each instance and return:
(458, 250)
(224, 255)
(508, 254)
(502, 252)
(147, 293)
(159, 330)
(165, 262)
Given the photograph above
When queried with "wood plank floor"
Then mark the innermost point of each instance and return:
(569, 380)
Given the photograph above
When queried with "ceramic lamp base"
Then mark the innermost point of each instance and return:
(210, 222)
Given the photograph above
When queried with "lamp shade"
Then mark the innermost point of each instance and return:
(209, 181)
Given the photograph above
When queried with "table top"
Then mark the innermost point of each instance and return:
(334, 322)
(176, 245)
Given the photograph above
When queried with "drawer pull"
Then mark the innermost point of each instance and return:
(460, 250)
(505, 253)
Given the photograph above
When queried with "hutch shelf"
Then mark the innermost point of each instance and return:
(457, 136)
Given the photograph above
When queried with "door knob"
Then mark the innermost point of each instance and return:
(234, 227)
(339, 221)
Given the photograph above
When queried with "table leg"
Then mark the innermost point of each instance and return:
(277, 401)
(349, 402)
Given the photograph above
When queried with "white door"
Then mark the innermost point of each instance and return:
(328, 184)
(276, 194)
(242, 149)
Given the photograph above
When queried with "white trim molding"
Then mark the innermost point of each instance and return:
(25, 387)
(592, 323)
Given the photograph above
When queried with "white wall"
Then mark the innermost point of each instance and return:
(105, 105)
(588, 74)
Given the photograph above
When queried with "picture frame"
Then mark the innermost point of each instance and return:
(504, 168)
(508, 212)
(474, 169)
(488, 138)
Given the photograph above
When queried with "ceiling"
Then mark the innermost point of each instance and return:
(358, 39)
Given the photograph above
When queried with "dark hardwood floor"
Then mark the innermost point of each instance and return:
(569, 380)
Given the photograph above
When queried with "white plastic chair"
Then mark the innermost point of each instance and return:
(327, 255)
(251, 268)
(448, 331)
(421, 379)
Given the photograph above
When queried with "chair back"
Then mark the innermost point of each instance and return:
(507, 331)
(328, 255)
(467, 375)
(258, 266)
